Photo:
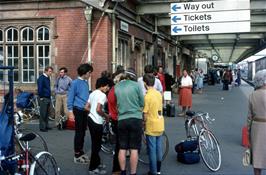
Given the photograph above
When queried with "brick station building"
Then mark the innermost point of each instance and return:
(35, 34)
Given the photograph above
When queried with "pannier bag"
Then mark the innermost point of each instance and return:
(188, 157)
(23, 99)
(186, 145)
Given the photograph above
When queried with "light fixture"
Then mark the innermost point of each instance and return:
(101, 3)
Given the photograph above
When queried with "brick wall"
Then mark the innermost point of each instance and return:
(71, 43)
(101, 45)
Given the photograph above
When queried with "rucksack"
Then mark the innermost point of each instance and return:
(188, 157)
(186, 145)
(23, 99)
(187, 151)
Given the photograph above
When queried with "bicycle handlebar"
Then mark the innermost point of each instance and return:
(205, 115)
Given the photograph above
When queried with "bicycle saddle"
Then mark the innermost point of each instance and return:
(28, 137)
(190, 113)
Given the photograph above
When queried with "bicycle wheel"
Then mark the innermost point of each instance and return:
(210, 150)
(44, 164)
(143, 152)
(35, 146)
(107, 148)
(108, 143)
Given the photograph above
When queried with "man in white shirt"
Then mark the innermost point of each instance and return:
(157, 84)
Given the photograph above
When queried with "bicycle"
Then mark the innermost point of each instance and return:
(208, 145)
(42, 163)
(31, 107)
(109, 140)
(143, 152)
(37, 145)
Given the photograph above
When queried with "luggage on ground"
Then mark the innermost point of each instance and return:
(187, 151)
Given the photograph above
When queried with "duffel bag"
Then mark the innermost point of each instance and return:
(188, 157)
(186, 145)
(70, 124)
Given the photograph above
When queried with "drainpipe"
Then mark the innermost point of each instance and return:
(113, 42)
(88, 16)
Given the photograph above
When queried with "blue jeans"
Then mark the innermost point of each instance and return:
(154, 144)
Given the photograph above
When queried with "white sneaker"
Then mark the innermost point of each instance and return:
(81, 160)
(97, 171)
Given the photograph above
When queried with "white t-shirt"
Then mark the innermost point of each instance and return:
(186, 81)
(96, 97)
(157, 85)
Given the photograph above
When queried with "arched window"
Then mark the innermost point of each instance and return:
(27, 34)
(43, 34)
(12, 35)
(26, 48)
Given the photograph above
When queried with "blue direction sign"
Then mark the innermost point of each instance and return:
(176, 29)
(175, 19)
(176, 7)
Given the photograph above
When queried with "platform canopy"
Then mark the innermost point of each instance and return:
(228, 47)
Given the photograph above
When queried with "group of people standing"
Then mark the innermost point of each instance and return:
(134, 106)
(61, 87)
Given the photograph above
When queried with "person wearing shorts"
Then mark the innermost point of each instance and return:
(130, 103)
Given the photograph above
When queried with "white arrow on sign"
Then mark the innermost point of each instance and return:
(221, 16)
(205, 6)
(209, 28)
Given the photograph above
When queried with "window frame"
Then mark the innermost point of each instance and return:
(28, 30)
(39, 70)
(37, 34)
(2, 35)
(28, 69)
(6, 35)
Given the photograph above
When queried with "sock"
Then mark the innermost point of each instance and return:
(124, 172)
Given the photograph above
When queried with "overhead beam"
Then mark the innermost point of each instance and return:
(201, 38)
(225, 45)
(164, 7)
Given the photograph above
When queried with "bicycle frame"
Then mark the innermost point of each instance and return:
(24, 156)
(194, 120)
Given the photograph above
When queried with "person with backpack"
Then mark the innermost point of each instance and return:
(61, 88)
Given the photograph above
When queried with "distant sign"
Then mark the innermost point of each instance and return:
(208, 28)
(188, 7)
(210, 17)
(124, 26)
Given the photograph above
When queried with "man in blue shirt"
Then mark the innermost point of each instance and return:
(44, 92)
(77, 97)
(61, 87)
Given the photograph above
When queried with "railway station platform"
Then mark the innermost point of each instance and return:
(229, 108)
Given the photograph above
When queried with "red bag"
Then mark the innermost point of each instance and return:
(70, 124)
(245, 137)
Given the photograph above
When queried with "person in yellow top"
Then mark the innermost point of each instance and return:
(154, 124)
